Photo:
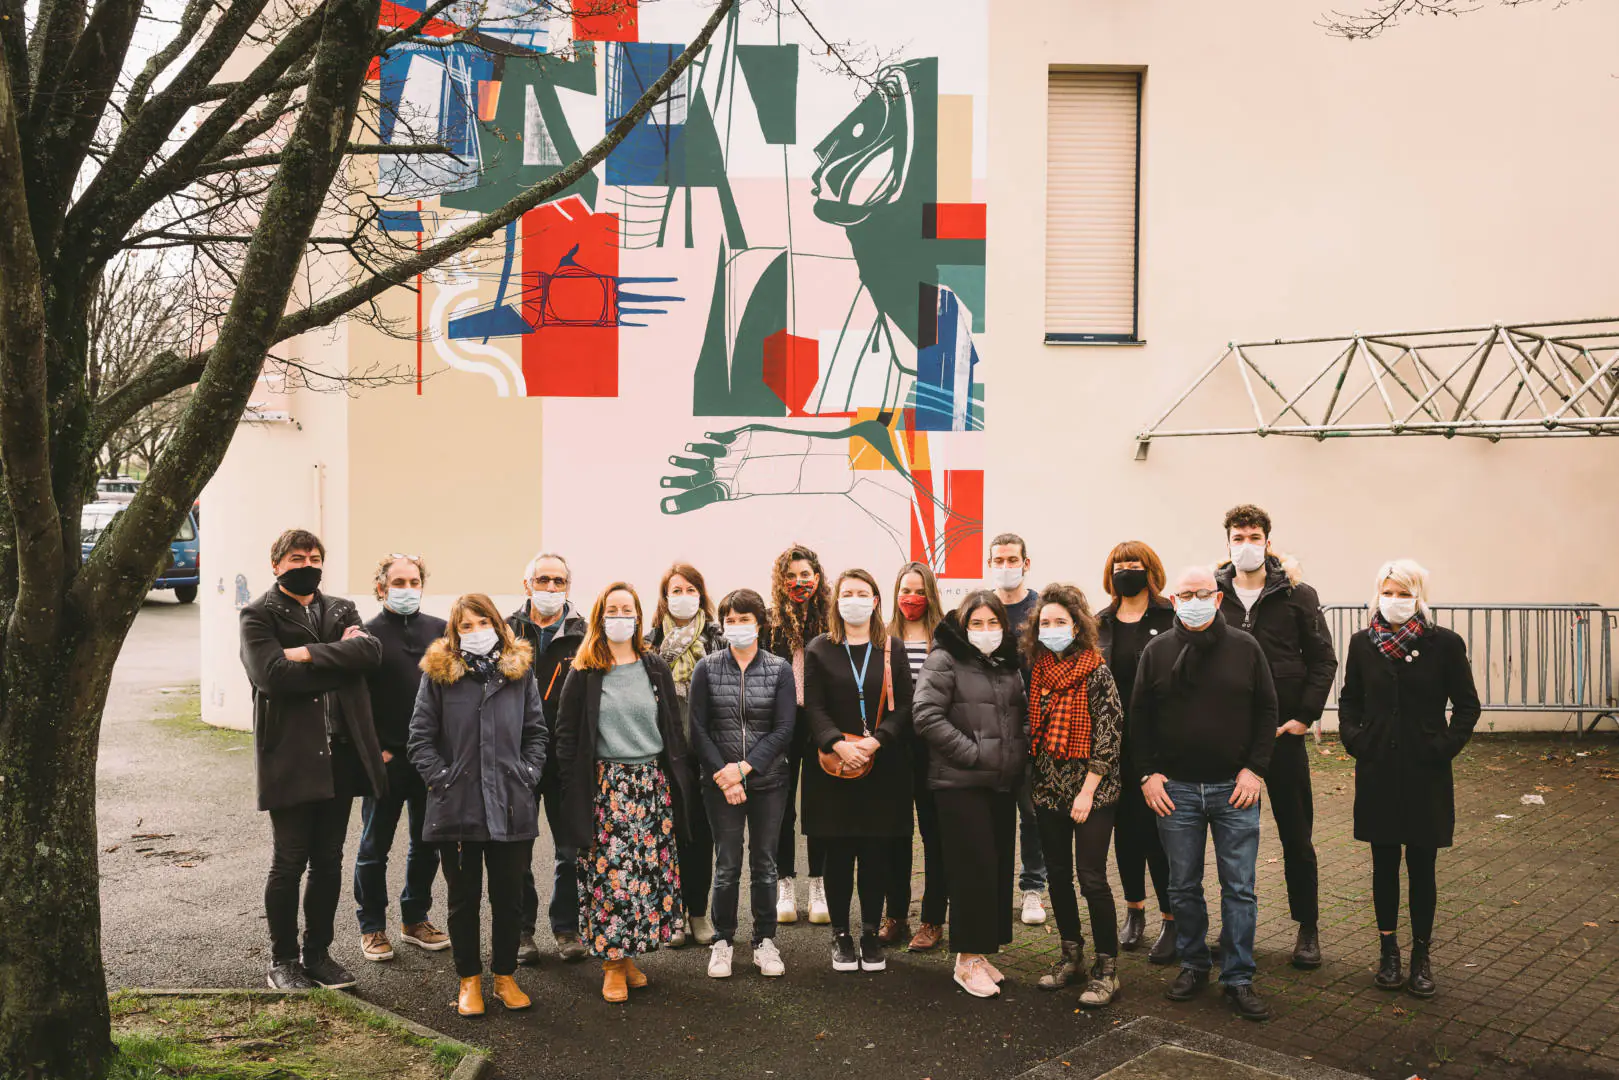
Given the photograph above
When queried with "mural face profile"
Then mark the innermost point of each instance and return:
(769, 293)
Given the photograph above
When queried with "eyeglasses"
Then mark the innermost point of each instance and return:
(546, 581)
(403, 555)
(1200, 594)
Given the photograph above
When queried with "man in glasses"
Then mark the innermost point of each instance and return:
(551, 624)
(405, 634)
(1202, 725)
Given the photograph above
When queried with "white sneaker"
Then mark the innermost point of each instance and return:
(820, 914)
(719, 960)
(786, 901)
(1034, 912)
(767, 959)
(702, 930)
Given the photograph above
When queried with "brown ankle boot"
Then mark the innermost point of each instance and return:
(633, 976)
(470, 1000)
(614, 985)
(509, 993)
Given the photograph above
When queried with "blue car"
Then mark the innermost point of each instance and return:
(183, 571)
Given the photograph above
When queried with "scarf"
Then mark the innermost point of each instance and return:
(1396, 642)
(681, 649)
(1194, 644)
(1059, 705)
(486, 667)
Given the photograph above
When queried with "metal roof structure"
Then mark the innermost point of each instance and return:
(1502, 381)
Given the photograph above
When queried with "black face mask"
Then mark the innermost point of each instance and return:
(1129, 582)
(300, 580)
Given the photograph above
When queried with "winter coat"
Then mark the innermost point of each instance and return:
(739, 715)
(1391, 718)
(578, 718)
(479, 746)
(292, 754)
(551, 667)
(1157, 620)
(879, 803)
(1288, 624)
(972, 712)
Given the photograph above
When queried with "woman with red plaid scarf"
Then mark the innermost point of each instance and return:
(1076, 725)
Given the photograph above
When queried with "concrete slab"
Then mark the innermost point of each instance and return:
(1153, 1049)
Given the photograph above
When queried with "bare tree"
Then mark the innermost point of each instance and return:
(1386, 14)
(238, 173)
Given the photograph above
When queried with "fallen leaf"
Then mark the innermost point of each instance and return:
(110, 850)
(1397, 1011)
(1592, 925)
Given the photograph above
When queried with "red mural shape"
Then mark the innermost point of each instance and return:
(959, 221)
(606, 20)
(792, 365)
(959, 552)
(570, 297)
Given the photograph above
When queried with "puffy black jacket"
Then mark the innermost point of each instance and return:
(741, 715)
(479, 746)
(1287, 622)
(973, 713)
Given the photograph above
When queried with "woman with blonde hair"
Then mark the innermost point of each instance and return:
(1402, 672)
(625, 769)
(477, 737)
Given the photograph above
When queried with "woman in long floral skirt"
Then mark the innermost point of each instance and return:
(624, 766)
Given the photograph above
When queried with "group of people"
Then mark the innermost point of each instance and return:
(661, 748)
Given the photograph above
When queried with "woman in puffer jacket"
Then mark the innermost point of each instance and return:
(971, 709)
(477, 738)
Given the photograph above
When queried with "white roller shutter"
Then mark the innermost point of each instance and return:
(1092, 131)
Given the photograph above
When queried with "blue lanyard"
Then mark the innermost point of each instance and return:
(860, 681)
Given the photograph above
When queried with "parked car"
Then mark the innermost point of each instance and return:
(119, 489)
(182, 572)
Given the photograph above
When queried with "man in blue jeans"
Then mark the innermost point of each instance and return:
(1202, 725)
(1008, 570)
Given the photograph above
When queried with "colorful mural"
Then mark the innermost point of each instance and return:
(771, 293)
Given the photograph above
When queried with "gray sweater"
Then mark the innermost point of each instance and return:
(627, 731)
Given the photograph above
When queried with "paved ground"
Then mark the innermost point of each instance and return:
(1526, 949)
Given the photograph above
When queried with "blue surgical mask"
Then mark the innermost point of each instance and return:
(404, 601)
(1195, 614)
(1057, 638)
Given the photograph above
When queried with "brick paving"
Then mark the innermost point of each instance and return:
(1526, 942)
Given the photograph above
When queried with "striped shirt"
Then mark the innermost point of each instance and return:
(917, 653)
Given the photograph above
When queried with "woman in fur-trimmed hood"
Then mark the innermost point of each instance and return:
(478, 739)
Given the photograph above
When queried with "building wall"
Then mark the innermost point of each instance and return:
(1451, 173)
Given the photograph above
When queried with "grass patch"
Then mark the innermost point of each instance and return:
(182, 715)
(321, 1035)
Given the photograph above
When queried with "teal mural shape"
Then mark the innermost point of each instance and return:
(731, 381)
(772, 74)
(967, 282)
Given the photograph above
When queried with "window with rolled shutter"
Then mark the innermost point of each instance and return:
(1093, 133)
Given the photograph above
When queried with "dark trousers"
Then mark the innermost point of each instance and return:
(897, 896)
(379, 820)
(464, 866)
(564, 910)
(1032, 876)
(696, 855)
(760, 816)
(1072, 847)
(873, 854)
(1292, 804)
(787, 843)
(1137, 849)
(935, 881)
(1420, 866)
(306, 837)
(979, 827)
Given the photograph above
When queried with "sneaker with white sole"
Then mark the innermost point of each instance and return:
(1034, 910)
(719, 960)
(786, 901)
(820, 914)
(974, 977)
(376, 947)
(701, 930)
(767, 958)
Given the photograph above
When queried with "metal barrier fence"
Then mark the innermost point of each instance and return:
(1551, 658)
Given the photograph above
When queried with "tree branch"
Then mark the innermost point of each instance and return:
(14, 44)
(259, 161)
(190, 25)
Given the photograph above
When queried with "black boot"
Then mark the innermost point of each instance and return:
(1135, 925)
(1389, 976)
(1421, 983)
(1307, 949)
(1163, 951)
(1066, 971)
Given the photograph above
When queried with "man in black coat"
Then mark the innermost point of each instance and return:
(314, 748)
(551, 624)
(1262, 593)
(1202, 724)
(405, 634)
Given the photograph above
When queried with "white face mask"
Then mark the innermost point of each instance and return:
(480, 642)
(1006, 577)
(856, 610)
(741, 635)
(986, 641)
(549, 603)
(1397, 610)
(1247, 557)
(683, 605)
(620, 628)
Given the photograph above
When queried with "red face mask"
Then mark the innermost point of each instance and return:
(801, 591)
(913, 606)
